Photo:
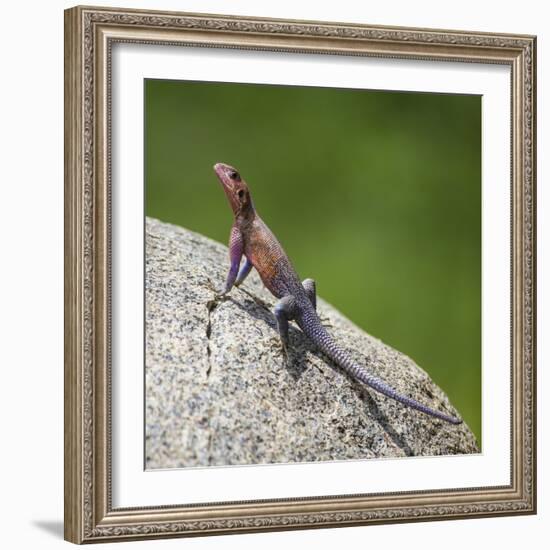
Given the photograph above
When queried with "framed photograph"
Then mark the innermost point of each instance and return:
(300, 274)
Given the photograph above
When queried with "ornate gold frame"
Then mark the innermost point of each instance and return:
(89, 34)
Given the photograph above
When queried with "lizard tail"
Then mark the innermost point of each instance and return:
(312, 327)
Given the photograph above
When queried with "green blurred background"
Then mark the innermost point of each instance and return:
(375, 195)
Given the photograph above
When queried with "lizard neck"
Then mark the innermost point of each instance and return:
(245, 218)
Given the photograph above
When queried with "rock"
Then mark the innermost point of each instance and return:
(218, 391)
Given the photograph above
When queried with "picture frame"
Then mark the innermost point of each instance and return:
(90, 34)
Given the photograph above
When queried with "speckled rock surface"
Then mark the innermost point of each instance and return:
(218, 391)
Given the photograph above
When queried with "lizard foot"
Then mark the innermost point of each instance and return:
(277, 347)
(219, 296)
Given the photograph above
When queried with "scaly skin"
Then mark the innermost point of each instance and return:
(250, 237)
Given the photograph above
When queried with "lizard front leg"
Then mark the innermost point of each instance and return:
(235, 255)
(284, 311)
(243, 273)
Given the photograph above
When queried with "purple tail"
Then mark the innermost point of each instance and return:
(312, 327)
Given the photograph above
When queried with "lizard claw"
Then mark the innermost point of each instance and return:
(286, 356)
(273, 344)
(219, 296)
(325, 321)
(210, 285)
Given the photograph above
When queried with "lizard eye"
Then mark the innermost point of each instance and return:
(235, 176)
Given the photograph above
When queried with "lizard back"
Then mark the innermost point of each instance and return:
(269, 259)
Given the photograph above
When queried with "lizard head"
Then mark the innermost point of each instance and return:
(235, 188)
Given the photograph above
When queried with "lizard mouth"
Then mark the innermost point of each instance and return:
(224, 171)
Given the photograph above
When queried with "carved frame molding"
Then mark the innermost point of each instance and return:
(89, 35)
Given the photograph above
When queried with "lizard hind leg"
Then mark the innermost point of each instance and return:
(311, 290)
(284, 312)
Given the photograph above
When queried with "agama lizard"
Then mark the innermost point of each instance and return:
(250, 237)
